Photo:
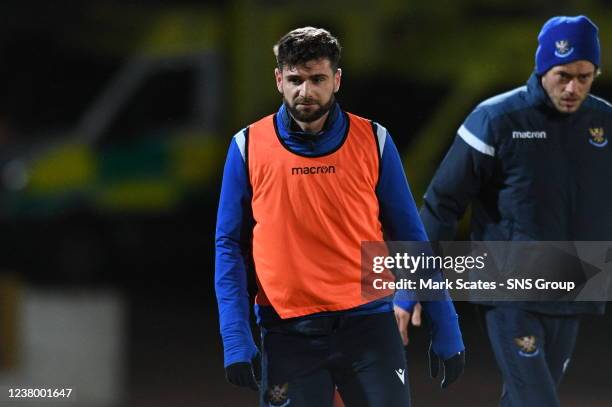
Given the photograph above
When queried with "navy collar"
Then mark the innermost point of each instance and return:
(329, 139)
(292, 129)
(536, 91)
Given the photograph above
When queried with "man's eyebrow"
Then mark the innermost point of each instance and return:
(313, 76)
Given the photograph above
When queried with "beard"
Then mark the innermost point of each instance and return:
(308, 116)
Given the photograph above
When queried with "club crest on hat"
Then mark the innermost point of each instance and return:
(563, 49)
(598, 139)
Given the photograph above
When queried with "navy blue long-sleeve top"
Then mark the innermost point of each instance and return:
(398, 215)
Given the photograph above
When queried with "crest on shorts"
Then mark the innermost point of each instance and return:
(527, 345)
(563, 49)
(598, 139)
(278, 395)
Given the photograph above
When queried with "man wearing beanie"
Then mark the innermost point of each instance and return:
(536, 165)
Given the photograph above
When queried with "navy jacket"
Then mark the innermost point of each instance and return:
(530, 173)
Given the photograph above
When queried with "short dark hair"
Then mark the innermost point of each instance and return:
(305, 44)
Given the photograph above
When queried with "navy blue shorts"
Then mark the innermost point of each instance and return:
(532, 351)
(304, 360)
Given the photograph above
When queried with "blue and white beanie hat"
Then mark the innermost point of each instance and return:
(566, 39)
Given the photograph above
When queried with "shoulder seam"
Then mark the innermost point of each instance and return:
(240, 139)
(381, 136)
(601, 100)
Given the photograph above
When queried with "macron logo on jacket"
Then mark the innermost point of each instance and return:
(528, 134)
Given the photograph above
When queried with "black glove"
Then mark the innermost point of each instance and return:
(453, 367)
(245, 374)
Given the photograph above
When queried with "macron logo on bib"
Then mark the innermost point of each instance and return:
(528, 134)
(322, 169)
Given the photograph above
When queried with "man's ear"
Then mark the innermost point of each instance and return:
(337, 79)
(278, 75)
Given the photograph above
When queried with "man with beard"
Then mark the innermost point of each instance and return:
(536, 165)
(302, 188)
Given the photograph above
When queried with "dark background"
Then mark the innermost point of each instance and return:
(126, 203)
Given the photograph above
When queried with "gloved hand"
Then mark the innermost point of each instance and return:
(453, 366)
(245, 374)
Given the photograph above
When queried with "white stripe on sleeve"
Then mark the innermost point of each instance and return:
(475, 142)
